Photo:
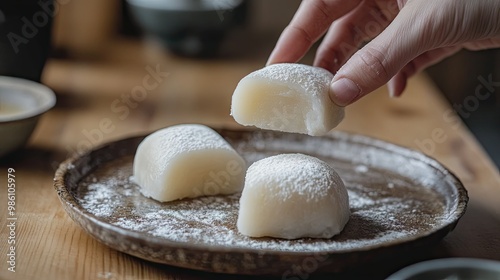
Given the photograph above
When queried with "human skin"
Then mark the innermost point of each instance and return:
(410, 36)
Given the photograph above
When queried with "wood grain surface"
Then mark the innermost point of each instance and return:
(95, 106)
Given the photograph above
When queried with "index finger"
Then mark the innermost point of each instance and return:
(309, 23)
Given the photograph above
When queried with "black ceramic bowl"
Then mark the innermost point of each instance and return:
(187, 27)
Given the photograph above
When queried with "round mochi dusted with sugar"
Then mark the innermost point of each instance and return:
(186, 161)
(287, 97)
(292, 196)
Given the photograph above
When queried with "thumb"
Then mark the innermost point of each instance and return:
(379, 60)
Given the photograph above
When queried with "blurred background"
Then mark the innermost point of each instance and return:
(101, 49)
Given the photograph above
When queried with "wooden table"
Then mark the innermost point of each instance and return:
(51, 246)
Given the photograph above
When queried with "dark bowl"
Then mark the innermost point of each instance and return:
(187, 27)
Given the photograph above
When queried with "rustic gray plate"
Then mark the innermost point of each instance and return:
(399, 199)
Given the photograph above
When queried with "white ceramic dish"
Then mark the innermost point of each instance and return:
(21, 104)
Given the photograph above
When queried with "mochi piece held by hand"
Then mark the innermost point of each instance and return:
(292, 196)
(187, 161)
(287, 97)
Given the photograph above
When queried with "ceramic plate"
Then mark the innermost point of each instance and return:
(399, 199)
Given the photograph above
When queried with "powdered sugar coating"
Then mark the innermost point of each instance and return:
(292, 196)
(185, 138)
(160, 155)
(289, 174)
(287, 97)
(309, 80)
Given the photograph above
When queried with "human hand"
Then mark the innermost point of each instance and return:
(406, 36)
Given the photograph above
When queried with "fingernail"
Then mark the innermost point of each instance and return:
(344, 91)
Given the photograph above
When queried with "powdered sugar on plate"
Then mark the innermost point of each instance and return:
(380, 215)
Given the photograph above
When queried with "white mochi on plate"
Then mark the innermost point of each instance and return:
(187, 161)
(287, 97)
(292, 196)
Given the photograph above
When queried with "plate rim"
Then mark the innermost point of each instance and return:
(70, 204)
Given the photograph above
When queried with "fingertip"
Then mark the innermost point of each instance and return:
(401, 88)
(272, 57)
(344, 91)
(397, 85)
(290, 47)
(269, 61)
